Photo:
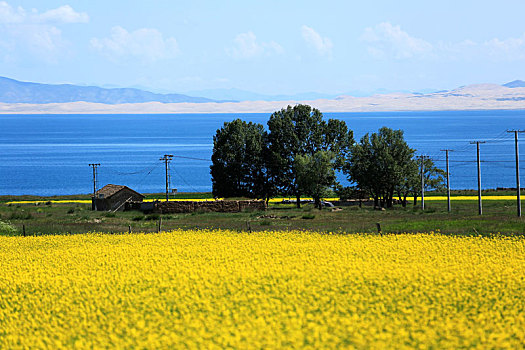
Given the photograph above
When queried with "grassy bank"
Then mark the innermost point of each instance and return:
(499, 216)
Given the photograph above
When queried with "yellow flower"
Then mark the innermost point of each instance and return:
(220, 289)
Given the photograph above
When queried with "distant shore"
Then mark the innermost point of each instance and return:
(472, 97)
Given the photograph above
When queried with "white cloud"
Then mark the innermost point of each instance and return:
(246, 46)
(509, 49)
(63, 14)
(23, 32)
(8, 14)
(147, 44)
(386, 40)
(323, 46)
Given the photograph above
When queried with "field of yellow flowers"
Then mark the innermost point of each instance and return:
(217, 289)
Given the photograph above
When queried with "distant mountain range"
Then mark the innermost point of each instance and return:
(14, 91)
(243, 95)
(515, 84)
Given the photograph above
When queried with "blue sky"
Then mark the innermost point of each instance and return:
(271, 47)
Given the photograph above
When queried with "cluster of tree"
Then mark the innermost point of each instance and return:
(300, 153)
(384, 166)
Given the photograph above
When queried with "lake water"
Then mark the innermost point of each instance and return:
(49, 154)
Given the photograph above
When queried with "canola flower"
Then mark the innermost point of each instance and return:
(272, 200)
(88, 201)
(219, 289)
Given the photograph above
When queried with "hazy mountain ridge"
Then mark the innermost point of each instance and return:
(515, 84)
(469, 97)
(14, 91)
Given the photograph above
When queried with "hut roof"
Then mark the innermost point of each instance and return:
(110, 190)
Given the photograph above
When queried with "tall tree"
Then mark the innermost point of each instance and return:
(379, 163)
(238, 161)
(434, 178)
(316, 174)
(299, 131)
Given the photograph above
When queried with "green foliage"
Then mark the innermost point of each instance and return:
(434, 179)
(6, 228)
(380, 163)
(152, 217)
(138, 218)
(239, 165)
(308, 216)
(20, 215)
(350, 192)
(300, 131)
(315, 174)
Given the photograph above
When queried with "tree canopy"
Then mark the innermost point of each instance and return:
(301, 131)
(315, 174)
(238, 161)
(379, 163)
(300, 153)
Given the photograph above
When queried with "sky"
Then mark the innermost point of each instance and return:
(269, 47)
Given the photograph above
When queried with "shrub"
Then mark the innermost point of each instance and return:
(138, 218)
(71, 210)
(308, 216)
(6, 228)
(20, 215)
(152, 217)
(110, 215)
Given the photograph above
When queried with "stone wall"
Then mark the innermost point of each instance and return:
(208, 206)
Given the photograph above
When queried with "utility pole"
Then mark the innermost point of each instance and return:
(167, 158)
(423, 181)
(518, 189)
(480, 207)
(448, 179)
(94, 166)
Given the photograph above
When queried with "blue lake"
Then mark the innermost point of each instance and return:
(49, 154)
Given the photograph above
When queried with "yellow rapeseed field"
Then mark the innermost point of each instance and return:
(220, 289)
(272, 200)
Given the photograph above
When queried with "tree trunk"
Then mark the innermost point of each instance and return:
(317, 202)
(390, 199)
(404, 201)
(298, 200)
(415, 200)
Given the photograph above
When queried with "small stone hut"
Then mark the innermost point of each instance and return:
(114, 197)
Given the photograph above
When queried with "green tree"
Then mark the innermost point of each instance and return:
(434, 178)
(238, 161)
(316, 174)
(380, 163)
(299, 131)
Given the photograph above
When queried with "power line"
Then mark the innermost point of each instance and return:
(167, 159)
(192, 158)
(186, 182)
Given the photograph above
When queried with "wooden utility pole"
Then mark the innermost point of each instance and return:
(94, 166)
(449, 207)
(518, 186)
(480, 207)
(423, 181)
(167, 158)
